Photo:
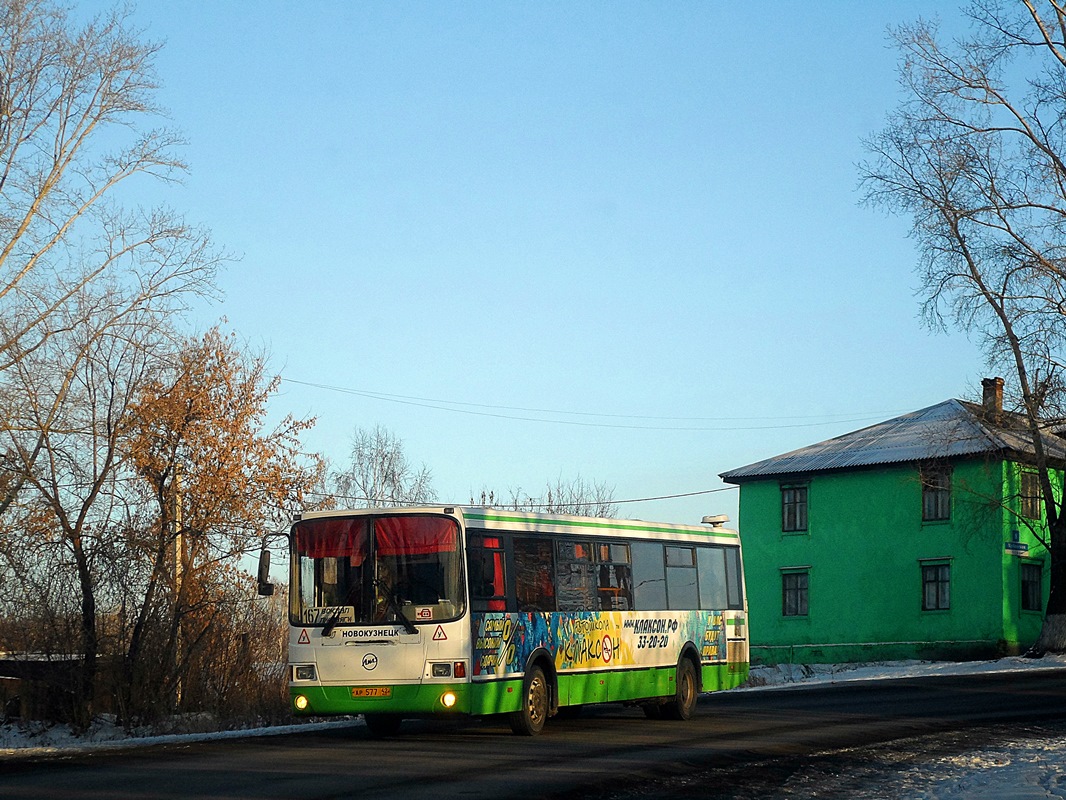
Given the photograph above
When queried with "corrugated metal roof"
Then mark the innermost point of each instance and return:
(947, 430)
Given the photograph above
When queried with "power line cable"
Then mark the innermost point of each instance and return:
(386, 500)
(445, 405)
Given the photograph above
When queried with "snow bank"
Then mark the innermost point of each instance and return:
(790, 675)
(28, 739)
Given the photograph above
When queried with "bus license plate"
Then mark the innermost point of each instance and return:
(371, 691)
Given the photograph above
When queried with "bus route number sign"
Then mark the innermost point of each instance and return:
(371, 691)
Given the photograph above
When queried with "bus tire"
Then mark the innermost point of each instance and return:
(381, 725)
(536, 703)
(684, 703)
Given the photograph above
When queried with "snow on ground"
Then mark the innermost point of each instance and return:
(32, 739)
(785, 675)
(1014, 769)
(1029, 768)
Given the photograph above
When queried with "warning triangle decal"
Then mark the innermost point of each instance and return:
(439, 635)
(304, 638)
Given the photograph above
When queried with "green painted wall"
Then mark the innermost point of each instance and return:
(1020, 625)
(864, 548)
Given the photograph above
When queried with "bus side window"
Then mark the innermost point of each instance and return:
(574, 576)
(712, 569)
(649, 576)
(487, 584)
(681, 590)
(734, 577)
(534, 568)
(615, 577)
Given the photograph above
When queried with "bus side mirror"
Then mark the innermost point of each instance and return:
(266, 588)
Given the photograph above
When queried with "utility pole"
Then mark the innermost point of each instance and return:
(179, 564)
(175, 515)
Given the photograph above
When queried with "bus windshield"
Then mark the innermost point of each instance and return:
(369, 570)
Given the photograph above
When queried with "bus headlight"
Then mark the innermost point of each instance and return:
(300, 702)
(448, 699)
(303, 672)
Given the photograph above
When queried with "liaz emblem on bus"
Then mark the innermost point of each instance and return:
(371, 691)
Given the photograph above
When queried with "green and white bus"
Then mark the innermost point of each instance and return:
(409, 612)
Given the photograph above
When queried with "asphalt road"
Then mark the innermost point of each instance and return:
(606, 752)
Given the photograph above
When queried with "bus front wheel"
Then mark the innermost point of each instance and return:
(530, 718)
(683, 705)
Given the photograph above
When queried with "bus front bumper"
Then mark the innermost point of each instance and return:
(433, 698)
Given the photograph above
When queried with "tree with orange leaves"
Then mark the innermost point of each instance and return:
(217, 478)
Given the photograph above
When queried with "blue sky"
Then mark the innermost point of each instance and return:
(644, 215)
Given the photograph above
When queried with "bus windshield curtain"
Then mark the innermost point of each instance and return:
(415, 536)
(332, 538)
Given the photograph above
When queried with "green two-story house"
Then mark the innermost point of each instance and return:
(914, 538)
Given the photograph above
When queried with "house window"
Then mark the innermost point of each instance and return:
(794, 508)
(936, 493)
(936, 587)
(1029, 496)
(1032, 587)
(794, 589)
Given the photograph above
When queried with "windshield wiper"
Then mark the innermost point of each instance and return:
(394, 605)
(331, 623)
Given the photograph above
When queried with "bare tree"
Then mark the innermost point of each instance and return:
(576, 496)
(88, 291)
(63, 440)
(975, 154)
(103, 518)
(71, 98)
(73, 102)
(380, 474)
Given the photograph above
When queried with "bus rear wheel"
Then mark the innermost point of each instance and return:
(683, 705)
(382, 724)
(530, 718)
